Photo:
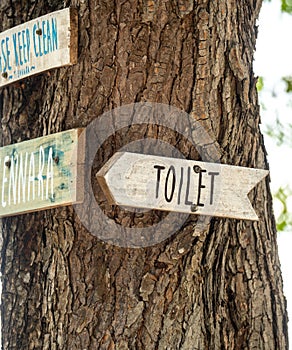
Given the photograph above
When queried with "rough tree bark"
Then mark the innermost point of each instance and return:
(220, 288)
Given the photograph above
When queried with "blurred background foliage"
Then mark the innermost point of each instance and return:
(286, 6)
(281, 133)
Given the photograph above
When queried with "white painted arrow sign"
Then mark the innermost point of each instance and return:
(172, 184)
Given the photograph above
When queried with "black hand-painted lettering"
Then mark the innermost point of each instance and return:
(159, 168)
(169, 199)
(212, 174)
(187, 202)
(200, 186)
(180, 184)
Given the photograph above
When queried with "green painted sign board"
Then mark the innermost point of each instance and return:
(41, 173)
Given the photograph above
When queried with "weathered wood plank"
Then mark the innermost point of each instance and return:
(147, 181)
(42, 173)
(36, 46)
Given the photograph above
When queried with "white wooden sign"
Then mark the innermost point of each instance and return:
(147, 181)
(36, 46)
(41, 173)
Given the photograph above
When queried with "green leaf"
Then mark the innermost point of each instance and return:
(286, 6)
(284, 220)
(281, 226)
(260, 84)
(288, 81)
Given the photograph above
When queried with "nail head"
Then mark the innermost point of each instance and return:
(197, 168)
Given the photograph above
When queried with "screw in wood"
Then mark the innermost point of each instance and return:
(8, 164)
(39, 31)
(197, 168)
(56, 159)
(194, 207)
(5, 75)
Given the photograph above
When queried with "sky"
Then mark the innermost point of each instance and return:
(273, 60)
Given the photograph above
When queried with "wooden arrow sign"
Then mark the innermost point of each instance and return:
(154, 182)
(41, 173)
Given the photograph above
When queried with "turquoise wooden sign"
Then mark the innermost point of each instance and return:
(41, 173)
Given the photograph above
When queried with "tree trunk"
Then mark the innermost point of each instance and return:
(214, 288)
